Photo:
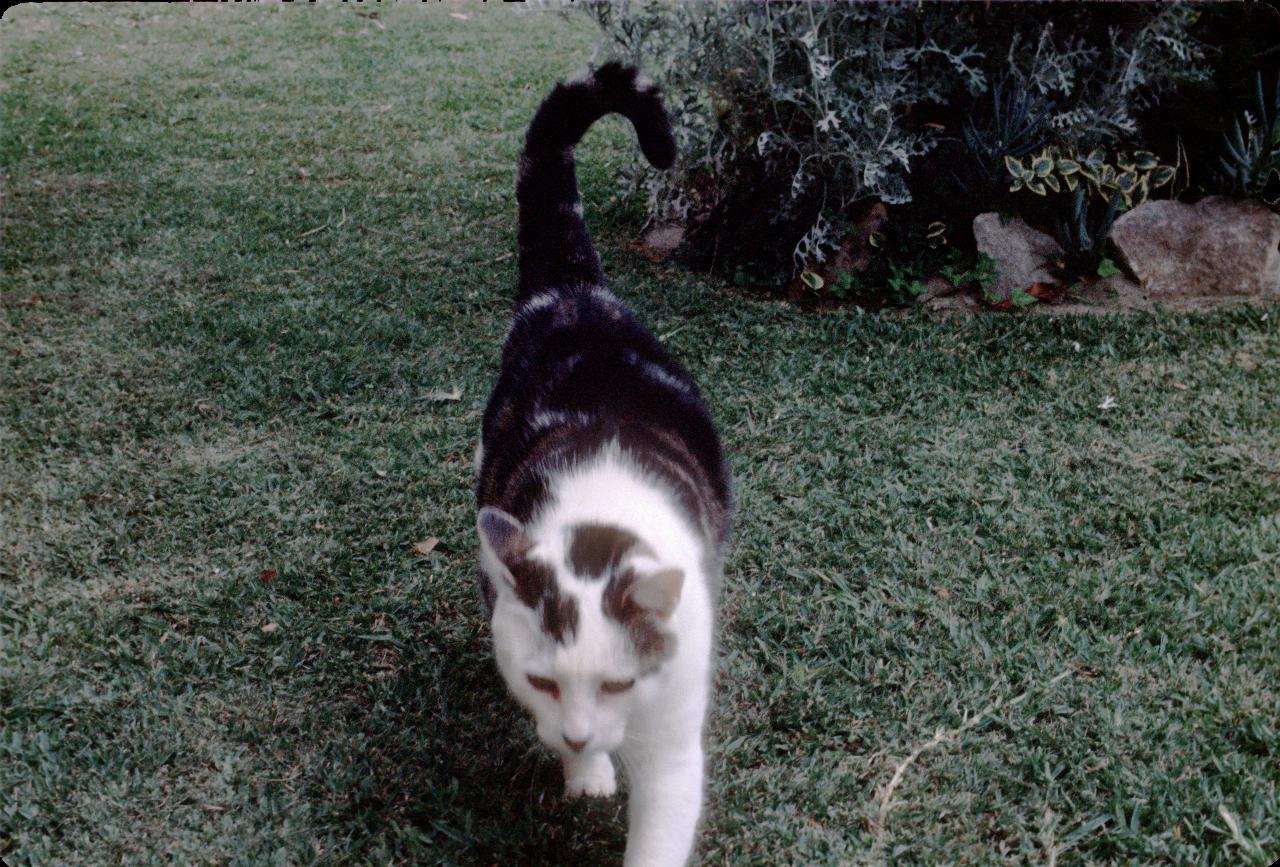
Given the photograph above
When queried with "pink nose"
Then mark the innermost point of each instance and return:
(576, 746)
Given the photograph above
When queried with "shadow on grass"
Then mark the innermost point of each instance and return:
(440, 758)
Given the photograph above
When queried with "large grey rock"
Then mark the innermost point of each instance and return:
(1023, 255)
(1214, 248)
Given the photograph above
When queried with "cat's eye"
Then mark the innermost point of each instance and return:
(545, 684)
(613, 687)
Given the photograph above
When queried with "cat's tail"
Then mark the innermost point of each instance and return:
(555, 248)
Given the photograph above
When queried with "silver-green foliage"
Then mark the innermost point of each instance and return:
(818, 92)
(1101, 85)
(824, 94)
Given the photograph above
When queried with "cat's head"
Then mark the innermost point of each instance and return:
(581, 624)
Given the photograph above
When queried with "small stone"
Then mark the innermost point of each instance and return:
(937, 286)
(952, 304)
(663, 240)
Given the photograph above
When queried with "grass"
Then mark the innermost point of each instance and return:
(256, 268)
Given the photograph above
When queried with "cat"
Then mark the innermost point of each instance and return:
(604, 499)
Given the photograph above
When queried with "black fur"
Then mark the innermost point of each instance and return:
(555, 248)
(579, 370)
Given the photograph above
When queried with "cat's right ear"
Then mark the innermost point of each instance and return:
(501, 538)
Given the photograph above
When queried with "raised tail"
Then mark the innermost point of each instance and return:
(555, 248)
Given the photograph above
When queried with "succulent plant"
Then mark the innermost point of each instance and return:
(1252, 149)
(1083, 235)
(1016, 123)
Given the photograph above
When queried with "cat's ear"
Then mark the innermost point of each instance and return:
(658, 592)
(501, 535)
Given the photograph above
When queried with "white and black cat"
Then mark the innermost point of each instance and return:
(604, 499)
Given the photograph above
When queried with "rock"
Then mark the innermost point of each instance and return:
(1215, 248)
(952, 304)
(937, 286)
(662, 240)
(1023, 255)
(1116, 292)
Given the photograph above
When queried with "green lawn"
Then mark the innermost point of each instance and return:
(256, 269)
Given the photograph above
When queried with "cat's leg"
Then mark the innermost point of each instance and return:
(589, 774)
(664, 804)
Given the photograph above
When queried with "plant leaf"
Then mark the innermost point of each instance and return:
(426, 546)
(812, 280)
(1107, 268)
(1161, 176)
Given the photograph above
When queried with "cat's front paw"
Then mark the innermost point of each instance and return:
(591, 777)
(591, 787)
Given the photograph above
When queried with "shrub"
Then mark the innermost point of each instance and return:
(788, 114)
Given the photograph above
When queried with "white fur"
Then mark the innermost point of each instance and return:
(655, 728)
(656, 372)
(536, 302)
(531, 305)
(552, 418)
(602, 294)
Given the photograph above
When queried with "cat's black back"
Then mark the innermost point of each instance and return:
(579, 370)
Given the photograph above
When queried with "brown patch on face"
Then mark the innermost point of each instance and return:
(653, 645)
(533, 580)
(595, 550)
(536, 588)
(560, 617)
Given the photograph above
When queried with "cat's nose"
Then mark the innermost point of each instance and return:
(576, 746)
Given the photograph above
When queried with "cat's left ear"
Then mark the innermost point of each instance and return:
(659, 592)
(501, 535)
